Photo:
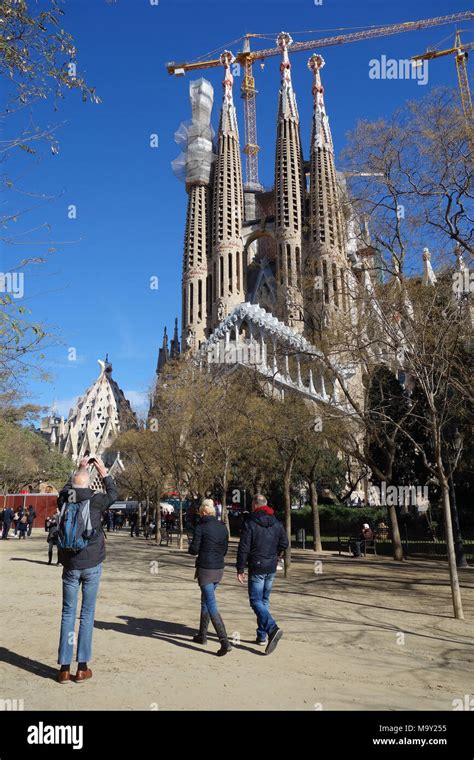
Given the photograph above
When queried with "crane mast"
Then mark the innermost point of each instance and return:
(247, 57)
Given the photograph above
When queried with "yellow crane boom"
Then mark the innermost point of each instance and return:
(246, 58)
(460, 51)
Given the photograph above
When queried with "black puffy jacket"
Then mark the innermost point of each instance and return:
(210, 543)
(262, 541)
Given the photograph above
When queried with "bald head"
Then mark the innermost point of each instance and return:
(81, 478)
(259, 501)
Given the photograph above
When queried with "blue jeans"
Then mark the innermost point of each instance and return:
(260, 587)
(72, 579)
(208, 599)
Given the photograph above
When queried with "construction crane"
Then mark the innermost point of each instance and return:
(246, 57)
(460, 51)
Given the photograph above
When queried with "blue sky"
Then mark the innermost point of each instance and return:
(94, 291)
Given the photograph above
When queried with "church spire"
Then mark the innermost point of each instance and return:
(327, 257)
(429, 277)
(195, 167)
(175, 349)
(163, 353)
(289, 195)
(226, 275)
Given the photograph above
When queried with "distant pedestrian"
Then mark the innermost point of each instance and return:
(262, 541)
(22, 526)
(118, 520)
(81, 552)
(108, 520)
(7, 521)
(52, 538)
(209, 544)
(16, 520)
(134, 531)
(31, 518)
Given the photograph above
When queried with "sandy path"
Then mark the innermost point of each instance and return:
(342, 647)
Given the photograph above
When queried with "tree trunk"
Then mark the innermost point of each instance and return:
(448, 524)
(258, 483)
(461, 560)
(448, 529)
(225, 516)
(180, 524)
(158, 521)
(139, 516)
(287, 501)
(317, 546)
(395, 532)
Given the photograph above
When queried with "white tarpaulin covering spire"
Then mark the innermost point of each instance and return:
(195, 137)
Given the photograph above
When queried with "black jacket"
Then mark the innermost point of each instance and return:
(263, 538)
(210, 543)
(94, 552)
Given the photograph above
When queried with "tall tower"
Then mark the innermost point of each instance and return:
(196, 160)
(289, 196)
(327, 258)
(226, 286)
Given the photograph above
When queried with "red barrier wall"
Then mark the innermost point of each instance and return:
(44, 504)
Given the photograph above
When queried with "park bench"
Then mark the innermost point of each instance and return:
(367, 546)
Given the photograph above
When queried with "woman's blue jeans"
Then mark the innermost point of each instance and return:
(72, 579)
(208, 599)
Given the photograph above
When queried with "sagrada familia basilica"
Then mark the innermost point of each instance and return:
(249, 245)
(249, 254)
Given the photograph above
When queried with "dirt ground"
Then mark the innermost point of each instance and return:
(358, 634)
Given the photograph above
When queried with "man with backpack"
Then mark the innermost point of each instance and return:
(81, 551)
(262, 540)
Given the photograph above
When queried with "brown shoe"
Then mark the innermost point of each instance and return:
(83, 675)
(63, 676)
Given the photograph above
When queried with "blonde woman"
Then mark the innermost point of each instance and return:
(209, 545)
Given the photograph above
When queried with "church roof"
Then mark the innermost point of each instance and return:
(97, 417)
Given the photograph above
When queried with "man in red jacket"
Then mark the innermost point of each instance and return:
(262, 541)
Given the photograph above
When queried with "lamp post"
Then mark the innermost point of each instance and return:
(455, 448)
